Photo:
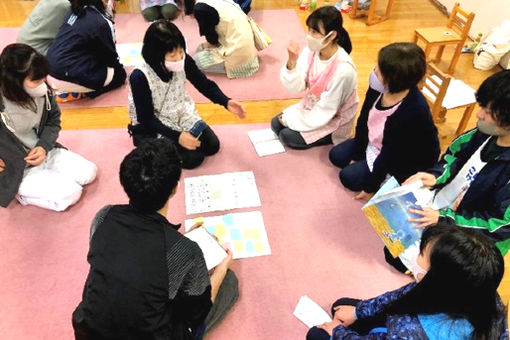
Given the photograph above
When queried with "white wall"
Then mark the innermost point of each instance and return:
(488, 13)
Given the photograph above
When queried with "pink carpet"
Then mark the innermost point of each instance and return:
(264, 85)
(321, 244)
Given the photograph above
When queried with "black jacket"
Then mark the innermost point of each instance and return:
(410, 142)
(83, 49)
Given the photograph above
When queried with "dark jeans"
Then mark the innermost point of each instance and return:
(362, 327)
(119, 78)
(293, 139)
(354, 176)
(210, 145)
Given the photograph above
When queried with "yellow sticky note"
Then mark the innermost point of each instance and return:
(220, 230)
(251, 234)
(238, 246)
(198, 219)
(260, 247)
(215, 194)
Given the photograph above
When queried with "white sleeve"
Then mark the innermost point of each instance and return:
(295, 80)
(337, 92)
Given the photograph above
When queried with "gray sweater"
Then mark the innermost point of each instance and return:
(12, 150)
(43, 23)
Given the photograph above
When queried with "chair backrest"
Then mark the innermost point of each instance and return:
(434, 88)
(460, 20)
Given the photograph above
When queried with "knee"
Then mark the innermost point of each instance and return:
(350, 179)
(339, 156)
(292, 139)
(276, 126)
(169, 12)
(192, 159)
(212, 147)
(315, 333)
(151, 13)
(119, 77)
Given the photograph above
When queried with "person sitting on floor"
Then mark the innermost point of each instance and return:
(33, 167)
(83, 58)
(159, 104)
(230, 47)
(472, 179)
(42, 25)
(455, 297)
(395, 132)
(160, 9)
(146, 280)
(324, 69)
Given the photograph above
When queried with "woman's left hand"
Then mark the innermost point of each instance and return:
(236, 108)
(429, 217)
(329, 326)
(36, 156)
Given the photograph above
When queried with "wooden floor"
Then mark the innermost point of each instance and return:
(406, 15)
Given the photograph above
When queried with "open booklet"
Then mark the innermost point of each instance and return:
(388, 212)
(212, 250)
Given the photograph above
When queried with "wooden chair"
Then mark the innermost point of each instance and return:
(372, 18)
(455, 33)
(443, 93)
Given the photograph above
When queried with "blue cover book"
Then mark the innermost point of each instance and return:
(388, 212)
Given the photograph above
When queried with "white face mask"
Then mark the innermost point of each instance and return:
(418, 272)
(491, 129)
(175, 66)
(37, 91)
(316, 44)
(376, 83)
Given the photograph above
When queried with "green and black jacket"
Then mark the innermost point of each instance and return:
(485, 206)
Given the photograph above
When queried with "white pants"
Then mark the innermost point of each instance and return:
(56, 183)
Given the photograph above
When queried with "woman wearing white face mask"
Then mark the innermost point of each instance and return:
(325, 71)
(454, 298)
(159, 105)
(32, 166)
(395, 134)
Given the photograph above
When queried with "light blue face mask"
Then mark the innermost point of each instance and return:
(376, 84)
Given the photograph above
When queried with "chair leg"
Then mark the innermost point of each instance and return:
(439, 54)
(465, 119)
(427, 49)
(415, 37)
(354, 10)
(441, 115)
(455, 58)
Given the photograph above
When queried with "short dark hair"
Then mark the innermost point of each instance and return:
(402, 65)
(161, 37)
(494, 95)
(465, 271)
(77, 6)
(331, 20)
(17, 62)
(189, 6)
(150, 173)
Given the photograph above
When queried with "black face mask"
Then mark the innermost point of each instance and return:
(189, 6)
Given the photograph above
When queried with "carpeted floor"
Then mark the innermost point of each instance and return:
(321, 244)
(264, 85)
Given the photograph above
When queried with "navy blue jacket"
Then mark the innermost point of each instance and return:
(485, 206)
(410, 142)
(83, 48)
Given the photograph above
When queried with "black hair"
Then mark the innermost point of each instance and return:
(189, 6)
(494, 95)
(331, 20)
(402, 65)
(465, 271)
(150, 173)
(161, 37)
(17, 62)
(77, 6)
